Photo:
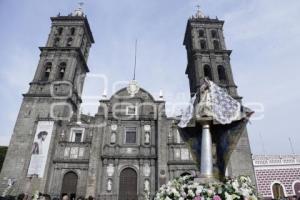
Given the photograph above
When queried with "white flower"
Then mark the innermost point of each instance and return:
(210, 192)
(175, 192)
(235, 185)
(177, 189)
(245, 192)
(191, 193)
(253, 197)
(228, 196)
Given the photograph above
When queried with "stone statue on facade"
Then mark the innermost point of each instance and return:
(147, 138)
(109, 185)
(147, 185)
(113, 138)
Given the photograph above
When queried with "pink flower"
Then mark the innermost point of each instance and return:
(197, 198)
(217, 197)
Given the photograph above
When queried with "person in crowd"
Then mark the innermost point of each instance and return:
(80, 198)
(9, 197)
(47, 197)
(41, 197)
(65, 197)
(21, 196)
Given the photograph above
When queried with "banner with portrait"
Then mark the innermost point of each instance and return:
(40, 148)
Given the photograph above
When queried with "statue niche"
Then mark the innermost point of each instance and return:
(113, 138)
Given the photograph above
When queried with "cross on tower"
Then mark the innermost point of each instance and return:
(199, 13)
(81, 4)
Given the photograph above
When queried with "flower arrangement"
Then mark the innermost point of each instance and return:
(36, 195)
(185, 188)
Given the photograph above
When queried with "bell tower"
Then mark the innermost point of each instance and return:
(208, 57)
(207, 53)
(63, 60)
(53, 98)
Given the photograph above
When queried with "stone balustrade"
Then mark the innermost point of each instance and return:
(263, 160)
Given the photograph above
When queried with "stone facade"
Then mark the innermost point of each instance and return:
(130, 144)
(276, 169)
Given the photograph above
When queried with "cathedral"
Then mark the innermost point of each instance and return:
(130, 146)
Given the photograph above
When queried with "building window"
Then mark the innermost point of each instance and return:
(69, 42)
(62, 70)
(131, 110)
(201, 33)
(214, 34)
(216, 45)
(72, 31)
(130, 135)
(278, 191)
(203, 44)
(76, 135)
(56, 42)
(222, 74)
(207, 72)
(47, 72)
(59, 31)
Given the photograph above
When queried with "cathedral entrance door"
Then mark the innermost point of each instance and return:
(128, 185)
(69, 185)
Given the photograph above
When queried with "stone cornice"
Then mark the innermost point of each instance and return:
(80, 161)
(131, 157)
(181, 162)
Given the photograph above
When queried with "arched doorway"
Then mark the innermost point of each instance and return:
(278, 191)
(297, 188)
(128, 185)
(69, 185)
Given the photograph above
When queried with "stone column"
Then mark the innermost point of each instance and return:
(206, 169)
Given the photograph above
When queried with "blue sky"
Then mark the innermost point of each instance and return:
(264, 36)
